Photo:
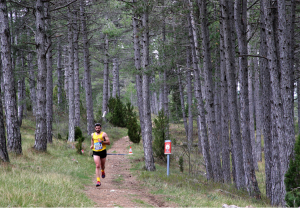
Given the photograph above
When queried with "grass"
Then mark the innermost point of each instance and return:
(191, 190)
(55, 178)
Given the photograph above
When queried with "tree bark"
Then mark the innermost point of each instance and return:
(105, 76)
(3, 149)
(49, 90)
(258, 108)
(116, 86)
(241, 28)
(71, 103)
(200, 106)
(266, 102)
(76, 68)
(87, 71)
(41, 115)
(32, 81)
(239, 175)
(59, 75)
(277, 111)
(147, 137)
(288, 140)
(224, 113)
(209, 98)
(182, 100)
(12, 125)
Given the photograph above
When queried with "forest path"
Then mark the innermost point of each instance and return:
(120, 188)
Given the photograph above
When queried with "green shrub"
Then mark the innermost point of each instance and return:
(134, 129)
(79, 138)
(181, 163)
(292, 179)
(117, 112)
(159, 131)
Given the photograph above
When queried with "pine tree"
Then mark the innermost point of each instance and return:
(159, 131)
(134, 130)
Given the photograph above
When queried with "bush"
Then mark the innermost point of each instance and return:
(134, 129)
(117, 112)
(292, 179)
(79, 138)
(159, 131)
(181, 163)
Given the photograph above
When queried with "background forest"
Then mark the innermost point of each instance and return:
(227, 70)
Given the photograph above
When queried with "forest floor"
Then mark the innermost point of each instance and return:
(120, 188)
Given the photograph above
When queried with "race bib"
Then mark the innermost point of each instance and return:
(98, 146)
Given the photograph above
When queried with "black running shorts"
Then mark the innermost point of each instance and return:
(102, 153)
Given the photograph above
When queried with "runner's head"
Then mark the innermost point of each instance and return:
(98, 127)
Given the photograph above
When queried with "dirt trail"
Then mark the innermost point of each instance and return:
(119, 188)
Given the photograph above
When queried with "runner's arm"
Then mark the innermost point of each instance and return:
(106, 139)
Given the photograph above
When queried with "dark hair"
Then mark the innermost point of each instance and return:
(97, 124)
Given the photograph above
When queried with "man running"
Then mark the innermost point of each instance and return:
(98, 145)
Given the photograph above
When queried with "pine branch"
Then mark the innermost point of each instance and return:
(253, 56)
(22, 5)
(57, 8)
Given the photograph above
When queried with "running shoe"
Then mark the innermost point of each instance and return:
(98, 184)
(102, 174)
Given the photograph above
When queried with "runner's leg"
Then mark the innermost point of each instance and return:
(97, 162)
(103, 160)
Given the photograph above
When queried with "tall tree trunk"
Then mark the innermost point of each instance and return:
(59, 75)
(41, 116)
(3, 149)
(266, 102)
(105, 76)
(49, 90)
(116, 86)
(241, 28)
(137, 63)
(235, 136)
(258, 108)
(251, 111)
(71, 80)
(12, 125)
(211, 122)
(277, 111)
(200, 106)
(189, 101)
(76, 68)
(287, 141)
(87, 71)
(147, 137)
(182, 100)
(32, 80)
(224, 113)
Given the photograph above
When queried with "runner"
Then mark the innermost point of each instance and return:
(98, 145)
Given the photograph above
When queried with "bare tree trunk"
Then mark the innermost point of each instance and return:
(200, 106)
(241, 28)
(258, 108)
(266, 102)
(251, 111)
(41, 115)
(105, 76)
(211, 122)
(21, 97)
(49, 90)
(190, 102)
(116, 86)
(12, 125)
(87, 71)
(137, 63)
(147, 137)
(182, 100)
(76, 69)
(71, 80)
(277, 111)
(224, 113)
(59, 75)
(287, 141)
(239, 175)
(3, 149)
